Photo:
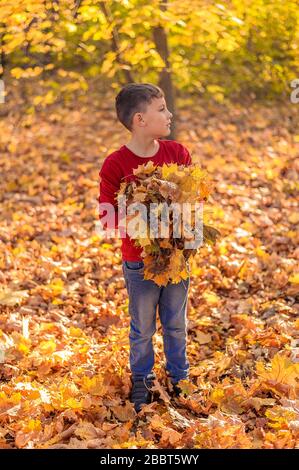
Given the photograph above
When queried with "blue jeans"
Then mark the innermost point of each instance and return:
(144, 297)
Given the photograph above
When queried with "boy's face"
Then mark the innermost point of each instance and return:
(155, 121)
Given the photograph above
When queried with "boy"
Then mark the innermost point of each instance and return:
(142, 109)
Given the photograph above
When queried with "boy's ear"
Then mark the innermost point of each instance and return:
(137, 118)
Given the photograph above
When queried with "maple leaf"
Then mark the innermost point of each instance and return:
(282, 371)
(94, 385)
(145, 169)
(169, 169)
(187, 387)
(203, 338)
(170, 436)
(258, 403)
(124, 413)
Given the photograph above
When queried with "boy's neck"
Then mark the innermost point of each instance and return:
(143, 147)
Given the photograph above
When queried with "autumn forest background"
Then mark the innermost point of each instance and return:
(229, 72)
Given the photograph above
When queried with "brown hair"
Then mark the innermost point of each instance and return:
(133, 98)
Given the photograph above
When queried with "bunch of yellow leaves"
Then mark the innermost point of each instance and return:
(155, 187)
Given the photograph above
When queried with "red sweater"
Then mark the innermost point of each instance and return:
(118, 167)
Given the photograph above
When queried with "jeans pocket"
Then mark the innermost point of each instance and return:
(134, 265)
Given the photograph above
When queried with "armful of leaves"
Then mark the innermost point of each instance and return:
(165, 259)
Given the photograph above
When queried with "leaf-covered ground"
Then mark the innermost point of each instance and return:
(64, 320)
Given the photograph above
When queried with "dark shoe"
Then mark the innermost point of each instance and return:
(176, 389)
(141, 391)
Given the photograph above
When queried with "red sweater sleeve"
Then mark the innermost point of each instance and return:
(110, 177)
(184, 156)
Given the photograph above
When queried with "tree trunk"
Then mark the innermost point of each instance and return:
(2, 55)
(165, 79)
